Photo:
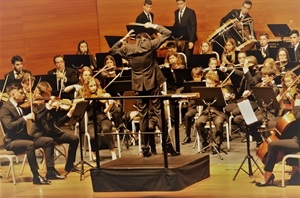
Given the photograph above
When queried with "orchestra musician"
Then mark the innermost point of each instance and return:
(286, 97)
(18, 71)
(264, 45)
(206, 48)
(239, 14)
(65, 76)
(288, 145)
(16, 137)
(47, 124)
(173, 60)
(217, 115)
(83, 49)
(283, 58)
(146, 75)
(109, 61)
(92, 89)
(185, 16)
(172, 47)
(228, 55)
(146, 15)
(295, 39)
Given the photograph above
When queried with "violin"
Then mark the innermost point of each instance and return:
(100, 93)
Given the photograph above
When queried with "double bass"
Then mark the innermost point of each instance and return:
(276, 134)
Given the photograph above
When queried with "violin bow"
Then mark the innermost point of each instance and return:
(119, 74)
(6, 78)
(61, 85)
(105, 68)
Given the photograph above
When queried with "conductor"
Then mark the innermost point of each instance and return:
(146, 75)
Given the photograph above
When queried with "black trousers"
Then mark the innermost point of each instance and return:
(28, 146)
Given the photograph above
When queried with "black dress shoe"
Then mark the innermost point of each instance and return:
(40, 180)
(146, 152)
(72, 169)
(269, 182)
(186, 140)
(53, 174)
(171, 150)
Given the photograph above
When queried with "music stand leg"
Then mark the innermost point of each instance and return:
(249, 157)
(81, 162)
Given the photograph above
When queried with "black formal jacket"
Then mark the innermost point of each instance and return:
(71, 74)
(11, 76)
(142, 18)
(13, 124)
(190, 21)
(47, 122)
(297, 54)
(141, 56)
(235, 13)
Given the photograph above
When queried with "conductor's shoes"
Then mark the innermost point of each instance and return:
(171, 150)
(40, 180)
(53, 174)
(186, 140)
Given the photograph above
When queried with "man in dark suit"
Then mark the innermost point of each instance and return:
(146, 15)
(295, 39)
(65, 76)
(16, 137)
(239, 14)
(146, 75)
(17, 73)
(264, 45)
(185, 16)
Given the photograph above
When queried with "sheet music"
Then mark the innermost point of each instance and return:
(247, 112)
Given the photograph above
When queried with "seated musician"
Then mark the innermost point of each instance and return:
(25, 83)
(174, 61)
(47, 124)
(83, 49)
(217, 115)
(283, 58)
(228, 55)
(172, 47)
(268, 73)
(92, 89)
(264, 45)
(287, 95)
(206, 48)
(288, 145)
(18, 71)
(239, 14)
(110, 62)
(197, 74)
(65, 76)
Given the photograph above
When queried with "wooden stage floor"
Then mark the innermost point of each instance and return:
(219, 184)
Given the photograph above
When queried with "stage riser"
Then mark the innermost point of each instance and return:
(150, 179)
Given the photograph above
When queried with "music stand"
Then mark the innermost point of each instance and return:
(188, 85)
(257, 54)
(182, 75)
(77, 117)
(111, 40)
(51, 79)
(210, 96)
(168, 75)
(77, 61)
(117, 88)
(250, 118)
(201, 60)
(280, 30)
(178, 33)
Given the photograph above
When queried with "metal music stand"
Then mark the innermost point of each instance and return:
(201, 60)
(250, 118)
(210, 96)
(77, 61)
(77, 117)
(280, 30)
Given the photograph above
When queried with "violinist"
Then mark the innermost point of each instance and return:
(288, 93)
(291, 145)
(92, 89)
(17, 73)
(47, 124)
(65, 76)
(25, 83)
(16, 137)
(217, 115)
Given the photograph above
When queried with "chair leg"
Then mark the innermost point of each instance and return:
(23, 164)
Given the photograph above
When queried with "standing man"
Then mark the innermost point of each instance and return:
(185, 16)
(146, 75)
(295, 39)
(65, 76)
(146, 15)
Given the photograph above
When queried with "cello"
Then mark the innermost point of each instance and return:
(276, 134)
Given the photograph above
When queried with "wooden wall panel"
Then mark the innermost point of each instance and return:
(38, 30)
